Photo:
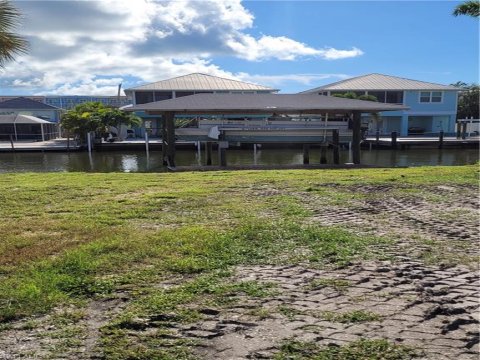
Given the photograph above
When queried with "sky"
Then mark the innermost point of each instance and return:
(89, 47)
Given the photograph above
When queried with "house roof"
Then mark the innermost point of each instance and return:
(201, 82)
(22, 119)
(22, 103)
(381, 82)
(261, 104)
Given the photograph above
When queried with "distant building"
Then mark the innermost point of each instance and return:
(27, 106)
(186, 85)
(68, 102)
(433, 107)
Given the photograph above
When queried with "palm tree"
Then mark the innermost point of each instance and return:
(10, 43)
(471, 8)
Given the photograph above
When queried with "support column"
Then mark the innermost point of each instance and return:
(208, 152)
(306, 154)
(356, 137)
(170, 130)
(336, 152)
(404, 126)
(43, 132)
(164, 141)
(323, 153)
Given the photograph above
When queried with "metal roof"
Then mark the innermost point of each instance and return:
(22, 103)
(261, 104)
(201, 82)
(22, 119)
(381, 82)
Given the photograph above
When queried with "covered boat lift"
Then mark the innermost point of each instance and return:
(260, 104)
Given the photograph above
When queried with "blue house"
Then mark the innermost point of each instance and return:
(432, 107)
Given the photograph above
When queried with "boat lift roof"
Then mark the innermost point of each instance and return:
(262, 104)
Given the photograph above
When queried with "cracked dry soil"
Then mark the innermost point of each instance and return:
(431, 307)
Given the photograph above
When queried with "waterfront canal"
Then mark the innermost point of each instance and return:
(137, 161)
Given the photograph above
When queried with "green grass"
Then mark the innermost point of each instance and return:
(377, 349)
(68, 238)
(355, 316)
(340, 285)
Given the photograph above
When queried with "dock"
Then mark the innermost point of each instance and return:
(61, 144)
(421, 141)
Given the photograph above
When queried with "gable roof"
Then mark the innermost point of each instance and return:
(381, 82)
(261, 104)
(22, 103)
(201, 82)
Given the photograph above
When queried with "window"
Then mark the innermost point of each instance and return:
(395, 97)
(143, 97)
(431, 96)
(162, 95)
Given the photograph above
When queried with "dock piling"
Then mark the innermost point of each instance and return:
(440, 139)
(394, 140)
(323, 153)
(208, 152)
(336, 152)
(306, 154)
(11, 143)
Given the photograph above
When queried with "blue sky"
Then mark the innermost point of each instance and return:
(88, 48)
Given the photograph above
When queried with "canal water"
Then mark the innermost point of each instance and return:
(137, 161)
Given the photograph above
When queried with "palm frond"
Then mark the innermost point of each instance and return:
(471, 8)
(10, 43)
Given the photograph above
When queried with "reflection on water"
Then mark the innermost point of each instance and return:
(138, 161)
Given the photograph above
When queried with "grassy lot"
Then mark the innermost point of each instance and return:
(66, 238)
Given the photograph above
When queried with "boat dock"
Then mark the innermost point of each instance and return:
(61, 144)
(421, 141)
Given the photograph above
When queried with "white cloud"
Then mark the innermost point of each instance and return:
(84, 47)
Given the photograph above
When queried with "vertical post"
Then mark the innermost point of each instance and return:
(43, 132)
(11, 143)
(440, 139)
(356, 137)
(306, 154)
(464, 130)
(89, 143)
(459, 129)
(254, 154)
(394, 140)
(199, 153)
(323, 153)
(164, 141)
(222, 152)
(170, 129)
(336, 152)
(209, 153)
(147, 150)
(68, 141)
(377, 138)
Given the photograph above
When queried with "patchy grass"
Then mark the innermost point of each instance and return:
(340, 285)
(68, 238)
(355, 316)
(358, 350)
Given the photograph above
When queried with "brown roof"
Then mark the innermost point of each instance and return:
(262, 103)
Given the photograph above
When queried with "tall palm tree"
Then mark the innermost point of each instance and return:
(471, 8)
(10, 43)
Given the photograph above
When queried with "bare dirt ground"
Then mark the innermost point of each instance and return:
(426, 296)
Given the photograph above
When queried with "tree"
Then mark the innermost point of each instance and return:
(470, 8)
(95, 116)
(468, 100)
(10, 43)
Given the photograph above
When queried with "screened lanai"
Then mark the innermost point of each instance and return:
(26, 127)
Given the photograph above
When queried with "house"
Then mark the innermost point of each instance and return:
(26, 106)
(25, 127)
(432, 107)
(68, 102)
(190, 84)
